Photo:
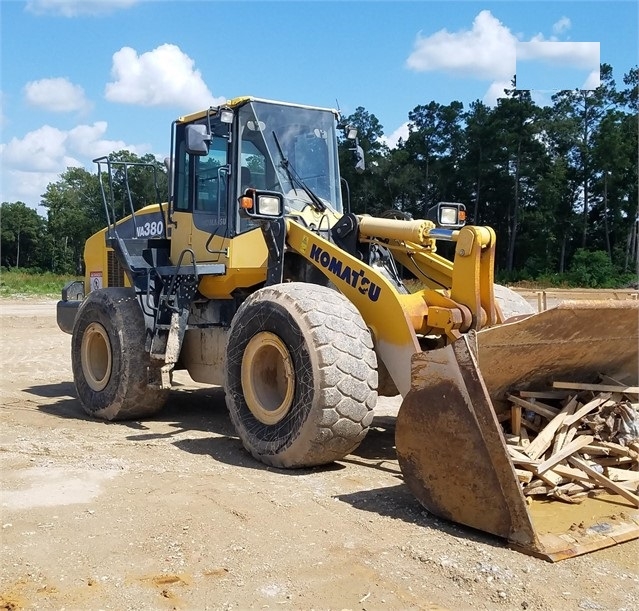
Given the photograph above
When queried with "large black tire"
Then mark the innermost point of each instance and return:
(301, 375)
(110, 365)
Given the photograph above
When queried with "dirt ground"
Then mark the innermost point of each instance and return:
(172, 513)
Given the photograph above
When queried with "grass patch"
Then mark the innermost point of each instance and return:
(18, 282)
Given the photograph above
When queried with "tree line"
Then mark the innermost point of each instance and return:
(557, 182)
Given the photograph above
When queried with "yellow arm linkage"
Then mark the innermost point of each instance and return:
(466, 283)
(371, 293)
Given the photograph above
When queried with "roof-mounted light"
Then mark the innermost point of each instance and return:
(226, 115)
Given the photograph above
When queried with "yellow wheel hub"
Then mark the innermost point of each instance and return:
(268, 378)
(95, 356)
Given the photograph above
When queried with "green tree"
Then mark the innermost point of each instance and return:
(479, 140)
(75, 211)
(581, 111)
(516, 120)
(22, 235)
(366, 189)
(137, 181)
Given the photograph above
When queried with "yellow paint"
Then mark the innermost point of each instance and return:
(240, 101)
(392, 330)
(473, 275)
(245, 262)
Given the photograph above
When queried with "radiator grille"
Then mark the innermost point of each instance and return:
(116, 271)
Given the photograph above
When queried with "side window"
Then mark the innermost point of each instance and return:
(211, 180)
(202, 180)
(253, 167)
(182, 173)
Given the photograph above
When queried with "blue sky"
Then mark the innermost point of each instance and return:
(80, 78)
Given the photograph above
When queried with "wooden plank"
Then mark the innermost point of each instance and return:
(622, 475)
(560, 438)
(633, 390)
(604, 481)
(550, 478)
(520, 459)
(542, 442)
(515, 419)
(606, 379)
(616, 449)
(576, 475)
(587, 408)
(615, 461)
(524, 476)
(544, 394)
(547, 411)
(568, 450)
(607, 448)
(524, 440)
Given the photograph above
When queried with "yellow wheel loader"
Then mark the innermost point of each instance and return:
(255, 276)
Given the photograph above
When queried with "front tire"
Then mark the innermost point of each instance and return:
(301, 375)
(110, 365)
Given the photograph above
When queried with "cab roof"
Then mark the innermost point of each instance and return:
(240, 101)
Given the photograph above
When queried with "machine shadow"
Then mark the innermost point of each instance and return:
(204, 409)
(187, 409)
(67, 405)
(398, 502)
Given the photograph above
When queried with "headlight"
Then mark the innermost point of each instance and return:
(450, 215)
(268, 205)
(447, 216)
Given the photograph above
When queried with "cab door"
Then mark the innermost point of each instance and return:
(201, 206)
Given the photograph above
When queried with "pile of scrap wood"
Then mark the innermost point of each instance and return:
(576, 440)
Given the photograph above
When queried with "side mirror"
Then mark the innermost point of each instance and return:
(450, 215)
(198, 139)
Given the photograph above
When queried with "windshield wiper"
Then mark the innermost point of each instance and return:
(317, 204)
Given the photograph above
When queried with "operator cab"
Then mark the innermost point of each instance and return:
(256, 144)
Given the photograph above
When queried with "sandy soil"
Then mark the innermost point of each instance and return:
(172, 513)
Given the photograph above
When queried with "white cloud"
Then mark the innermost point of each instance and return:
(29, 164)
(56, 95)
(164, 76)
(75, 8)
(574, 54)
(592, 81)
(496, 91)
(559, 27)
(490, 51)
(27, 187)
(487, 51)
(40, 150)
(392, 140)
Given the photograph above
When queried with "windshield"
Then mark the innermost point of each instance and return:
(287, 148)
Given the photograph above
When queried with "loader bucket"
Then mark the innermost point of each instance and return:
(450, 444)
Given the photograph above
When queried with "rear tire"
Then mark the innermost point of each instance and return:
(110, 365)
(301, 375)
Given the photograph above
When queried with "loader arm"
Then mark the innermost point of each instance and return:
(396, 320)
(470, 277)
(371, 293)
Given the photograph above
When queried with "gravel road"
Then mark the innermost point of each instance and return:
(172, 513)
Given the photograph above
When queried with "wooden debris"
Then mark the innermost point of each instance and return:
(633, 390)
(575, 440)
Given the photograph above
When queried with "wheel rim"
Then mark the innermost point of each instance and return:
(268, 378)
(96, 356)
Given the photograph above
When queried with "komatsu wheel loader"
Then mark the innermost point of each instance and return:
(255, 276)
